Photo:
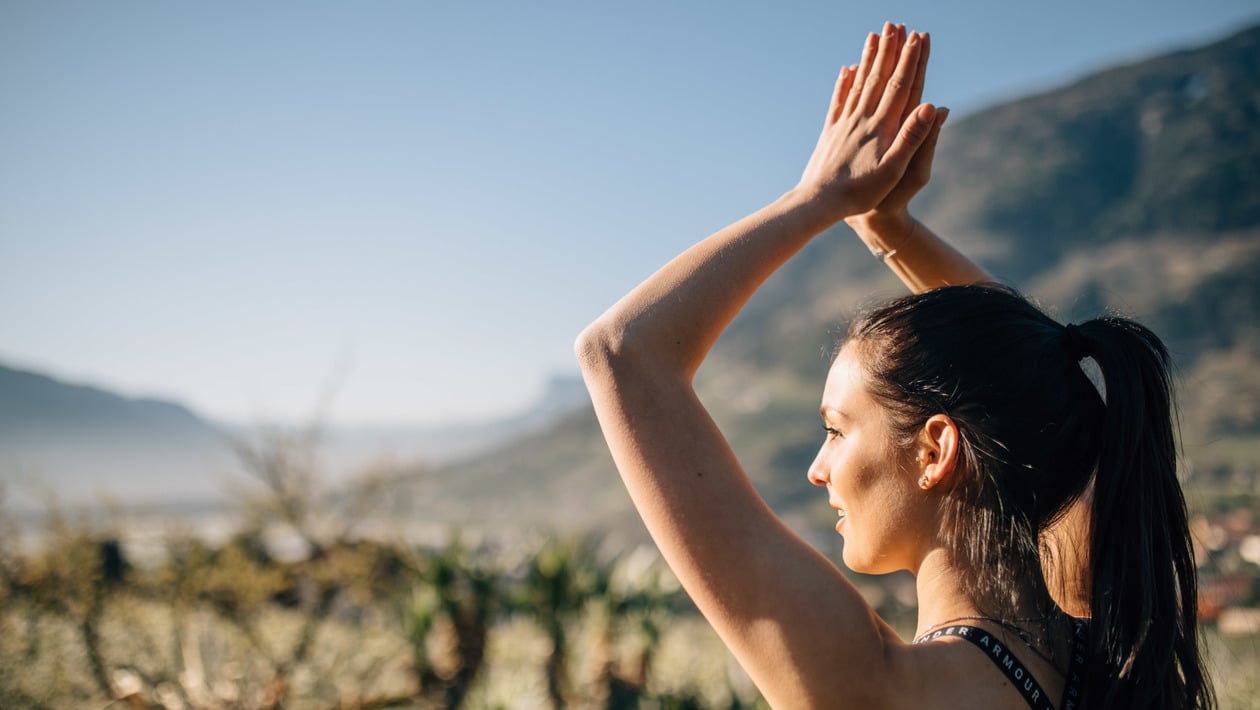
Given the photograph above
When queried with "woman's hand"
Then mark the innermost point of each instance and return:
(892, 214)
(875, 127)
(920, 258)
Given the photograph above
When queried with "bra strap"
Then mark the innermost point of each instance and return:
(1006, 662)
(1073, 692)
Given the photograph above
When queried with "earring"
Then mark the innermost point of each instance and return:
(923, 483)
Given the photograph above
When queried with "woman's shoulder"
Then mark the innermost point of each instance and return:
(979, 668)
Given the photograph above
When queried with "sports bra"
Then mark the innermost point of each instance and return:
(1017, 672)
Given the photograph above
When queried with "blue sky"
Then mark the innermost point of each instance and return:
(419, 204)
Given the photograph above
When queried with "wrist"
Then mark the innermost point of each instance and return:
(876, 222)
(817, 209)
(884, 233)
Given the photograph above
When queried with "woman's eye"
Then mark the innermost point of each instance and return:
(833, 433)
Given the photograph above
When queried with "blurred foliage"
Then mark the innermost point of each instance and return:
(232, 626)
(553, 623)
(293, 609)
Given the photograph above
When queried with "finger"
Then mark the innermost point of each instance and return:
(844, 84)
(835, 95)
(901, 82)
(914, 131)
(881, 69)
(891, 43)
(916, 91)
(919, 171)
(863, 70)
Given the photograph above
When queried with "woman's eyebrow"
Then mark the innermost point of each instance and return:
(824, 411)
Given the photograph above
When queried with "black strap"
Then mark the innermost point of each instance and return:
(1017, 672)
(1073, 693)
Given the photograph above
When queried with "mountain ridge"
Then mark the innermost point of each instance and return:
(1194, 112)
(81, 443)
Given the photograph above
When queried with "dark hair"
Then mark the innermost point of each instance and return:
(1034, 433)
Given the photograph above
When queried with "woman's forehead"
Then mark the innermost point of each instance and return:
(846, 381)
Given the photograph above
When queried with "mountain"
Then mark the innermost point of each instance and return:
(347, 447)
(1165, 145)
(1135, 189)
(83, 442)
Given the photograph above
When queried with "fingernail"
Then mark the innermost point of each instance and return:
(914, 38)
(927, 113)
(889, 29)
(944, 112)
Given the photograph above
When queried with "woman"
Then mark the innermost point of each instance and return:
(962, 440)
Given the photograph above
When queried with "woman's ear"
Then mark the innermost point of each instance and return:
(937, 454)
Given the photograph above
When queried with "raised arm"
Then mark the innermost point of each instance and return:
(920, 258)
(801, 630)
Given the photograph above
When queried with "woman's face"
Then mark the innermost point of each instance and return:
(870, 481)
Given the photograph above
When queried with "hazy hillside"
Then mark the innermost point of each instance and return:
(87, 444)
(83, 441)
(1135, 189)
(1166, 145)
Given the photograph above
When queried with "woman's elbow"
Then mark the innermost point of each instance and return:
(595, 347)
(605, 347)
(615, 360)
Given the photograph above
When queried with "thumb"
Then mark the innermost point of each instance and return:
(920, 167)
(914, 130)
(928, 149)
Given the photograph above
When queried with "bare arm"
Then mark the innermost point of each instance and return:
(920, 258)
(800, 629)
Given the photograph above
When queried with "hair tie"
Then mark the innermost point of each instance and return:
(1074, 343)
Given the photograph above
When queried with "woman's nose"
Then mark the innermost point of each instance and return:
(817, 473)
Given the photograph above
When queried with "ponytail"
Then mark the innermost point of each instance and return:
(1143, 598)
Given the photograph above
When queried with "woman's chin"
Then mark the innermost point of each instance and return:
(856, 561)
(848, 553)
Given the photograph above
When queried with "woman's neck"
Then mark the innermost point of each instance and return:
(943, 596)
